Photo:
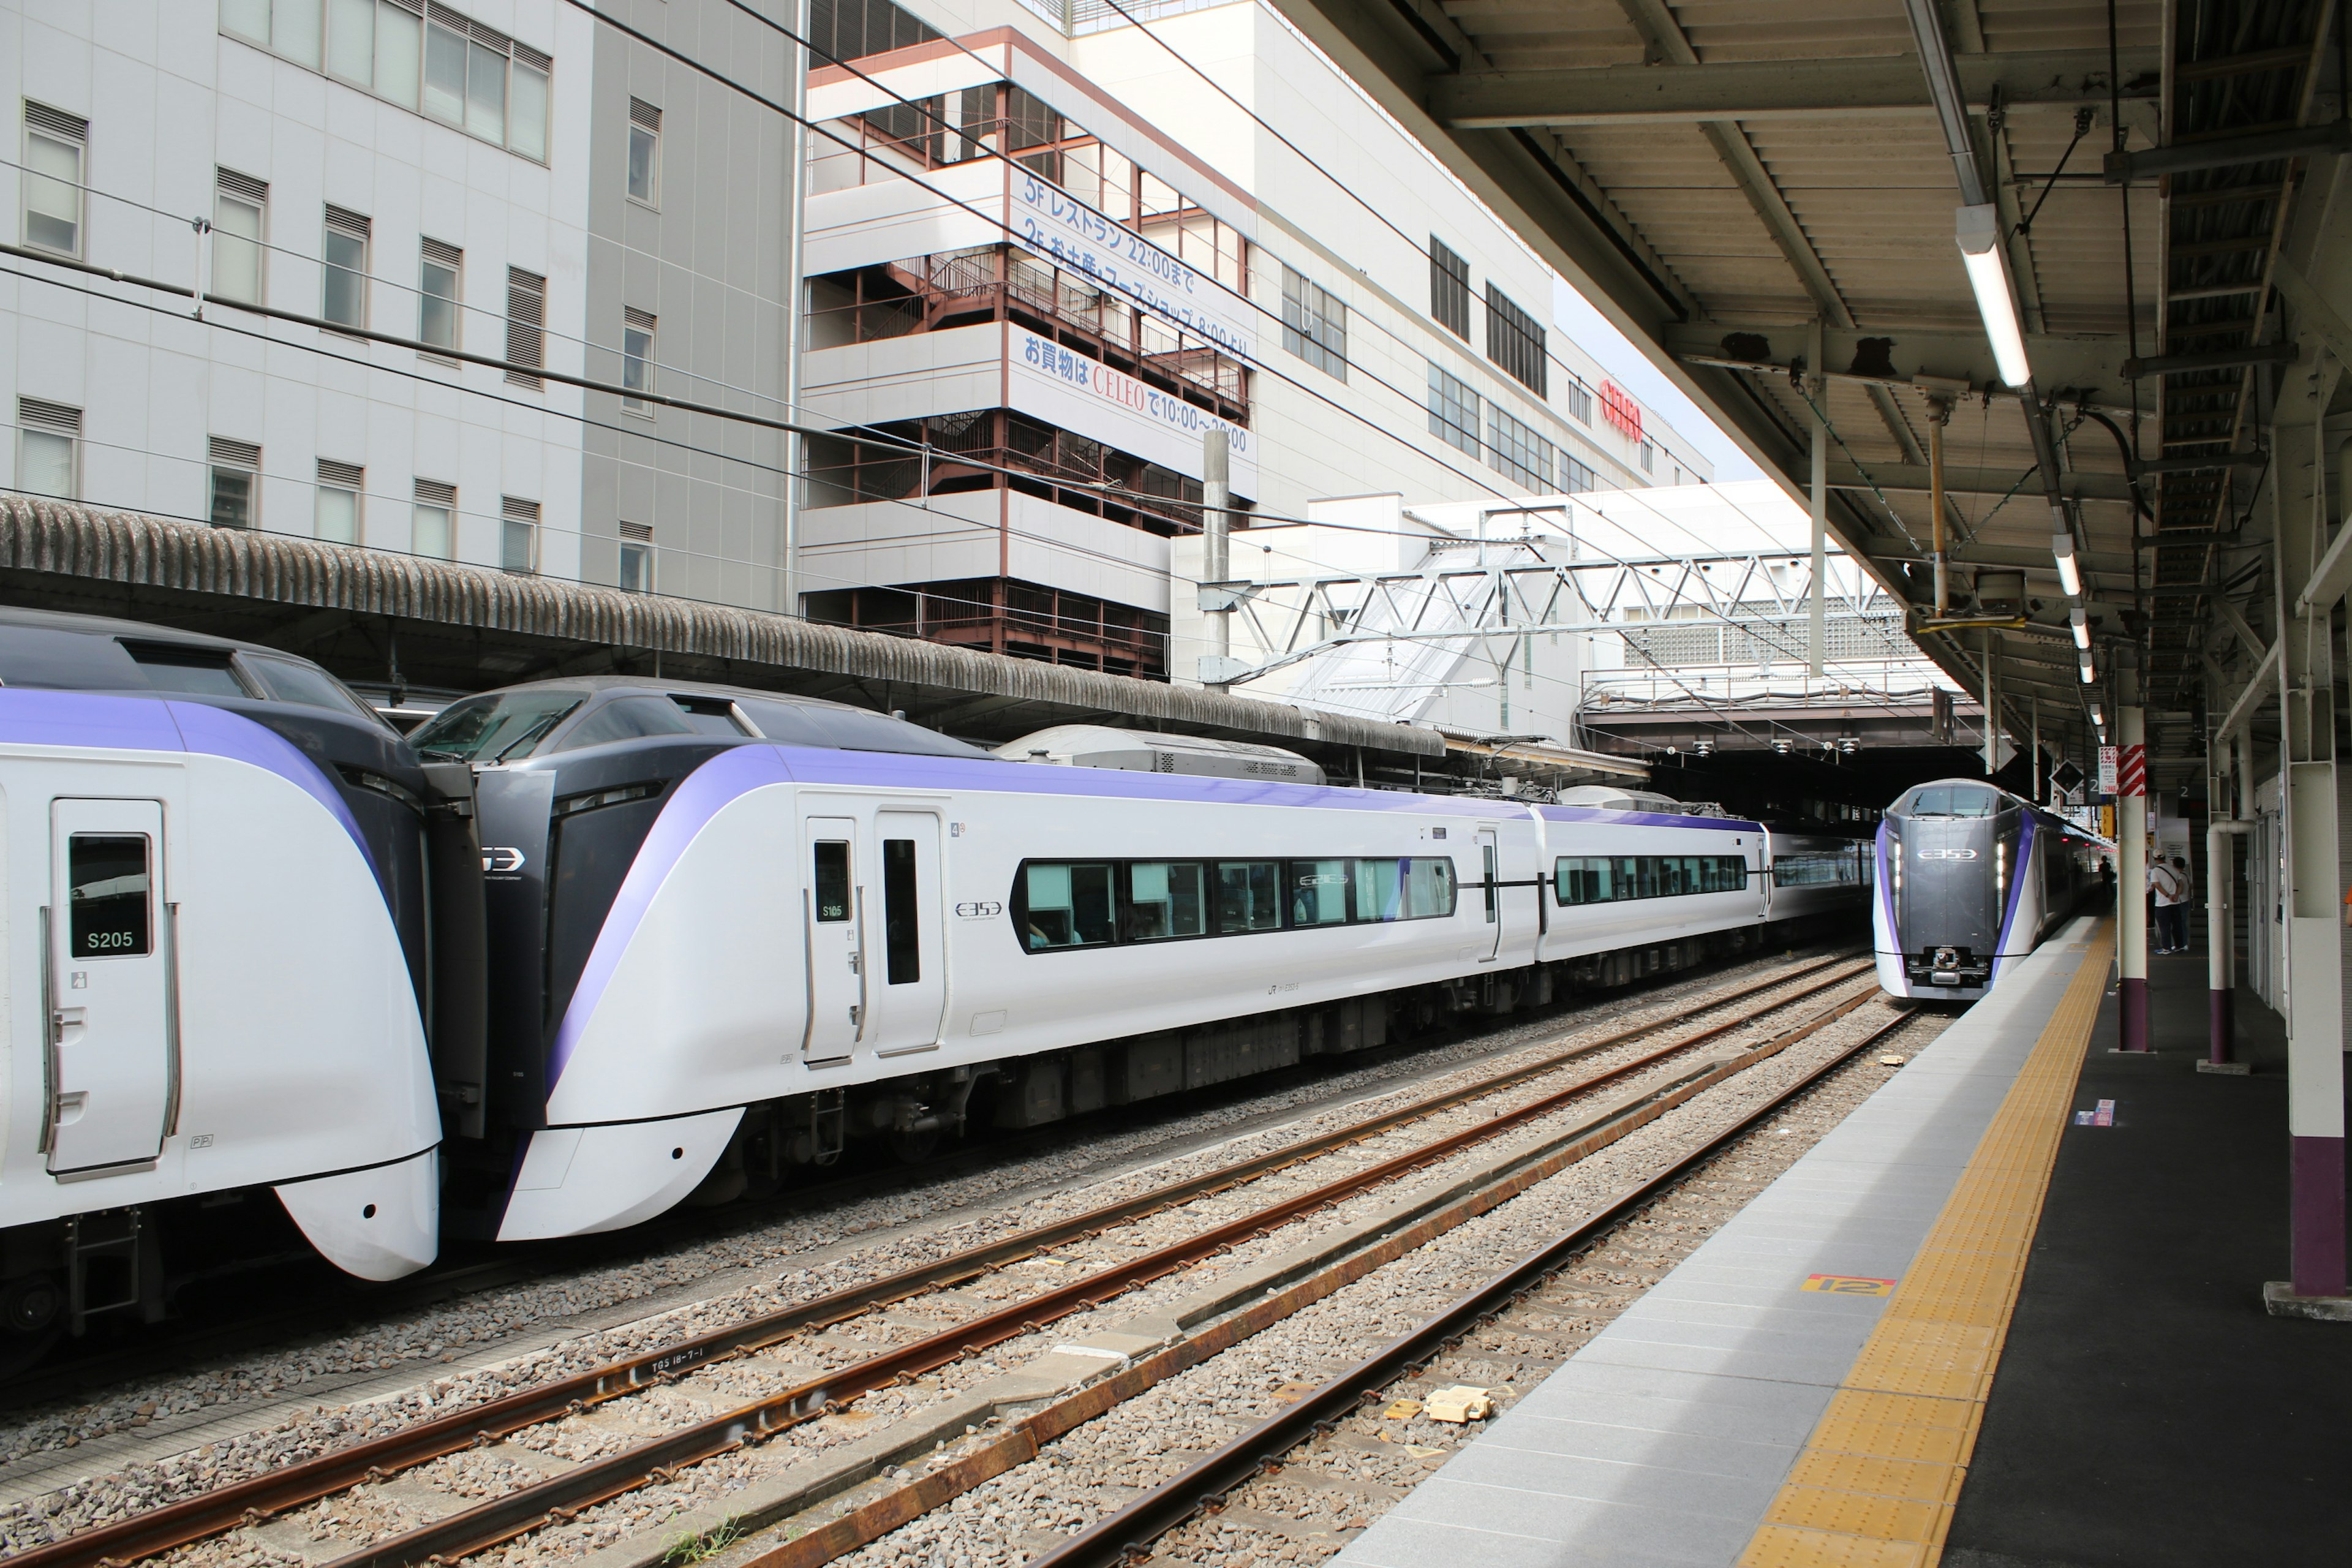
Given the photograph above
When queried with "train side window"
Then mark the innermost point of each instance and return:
(1379, 889)
(832, 871)
(1067, 904)
(1249, 895)
(1428, 888)
(1318, 892)
(901, 937)
(107, 879)
(1164, 899)
(1487, 851)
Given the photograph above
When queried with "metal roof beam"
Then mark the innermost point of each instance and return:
(1892, 352)
(1911, 480)
(1770, 89)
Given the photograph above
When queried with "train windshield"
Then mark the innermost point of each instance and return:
(503, 727)
(1952, 800)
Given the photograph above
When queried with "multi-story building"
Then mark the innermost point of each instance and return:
(513, 179)
(1049, 250)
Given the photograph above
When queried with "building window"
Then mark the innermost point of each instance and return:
(336, 518)
(852, 29)
(1452, 411)
(636, 356)
(55, 143)
(421, 56)
(439, 269)
(240, 204)
(433, 519)
(1649, 456)
(1314, 325)
(518, 534)
(1576, 478)
(526, 326)
(1579, 402)
(1449, 289)
(645, 151)
(234, 483)
(49, 448)
(1517, 450)
(1515, 342)
(346, 254)
(636, 558)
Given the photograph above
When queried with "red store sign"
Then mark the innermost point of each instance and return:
(1617, 406)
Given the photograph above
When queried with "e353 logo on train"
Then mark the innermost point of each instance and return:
(497, 860)
(1944, 855)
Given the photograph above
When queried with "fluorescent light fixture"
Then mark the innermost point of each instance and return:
(2097, 716)
(2081, 623)
(1979, 232)
(2089, 674)
(2069, 575)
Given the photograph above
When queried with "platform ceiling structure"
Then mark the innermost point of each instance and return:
(1725, 180)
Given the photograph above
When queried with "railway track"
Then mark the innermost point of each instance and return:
(747, 1354)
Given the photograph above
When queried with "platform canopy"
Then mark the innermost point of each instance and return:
(1768, 197)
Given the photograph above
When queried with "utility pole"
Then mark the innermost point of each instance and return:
(1216, 666)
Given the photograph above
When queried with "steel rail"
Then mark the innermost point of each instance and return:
(1129, 1534)
(558, 1497)
(211, 1513)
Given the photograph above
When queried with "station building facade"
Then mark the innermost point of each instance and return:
(509, 178)
(1049, 244)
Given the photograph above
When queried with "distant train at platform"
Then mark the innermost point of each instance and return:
(580, 951)
(1970, 879)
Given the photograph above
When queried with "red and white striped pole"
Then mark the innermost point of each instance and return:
(2131, 875)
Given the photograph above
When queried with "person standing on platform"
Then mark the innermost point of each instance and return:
(2170, 883)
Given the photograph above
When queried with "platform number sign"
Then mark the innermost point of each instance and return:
(1848, 1285)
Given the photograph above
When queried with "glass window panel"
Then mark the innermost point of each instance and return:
(1249, 895)
(627, 718)
(518, 545)
(1379, 889)
(445, 75)
(338, 515)
(1428, 888)
(53, 193)
(236, 249)
(831, 878)
(302, 683)
(294, 30)
(636, 568)
(1486, 854)
(1068, 905)
(1165, 900)
(351, 39)
(429, 531)
(398, 41)
(642, 146)
(493, 729)
(45, 463)
(902, 937)
(106, 877)
(246, 19)
(345, 301)
(1318, 892)
(437, 314)
(197, 672)
(486, 93)
(527, 113)
(637, 364)
(232, 498)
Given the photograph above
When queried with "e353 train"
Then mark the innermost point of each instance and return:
(1970, 878)
(579, 950)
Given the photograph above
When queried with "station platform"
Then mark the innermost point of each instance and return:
(1962, 1328)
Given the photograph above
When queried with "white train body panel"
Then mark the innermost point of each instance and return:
(709, 988)
(280, 1042)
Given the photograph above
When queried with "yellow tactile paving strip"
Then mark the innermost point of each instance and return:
(1876, 1483)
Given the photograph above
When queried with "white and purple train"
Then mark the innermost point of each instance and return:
(1971, 877)
(580, 951)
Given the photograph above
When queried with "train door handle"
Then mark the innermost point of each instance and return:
(65, 1018)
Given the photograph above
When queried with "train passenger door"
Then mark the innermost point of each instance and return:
(113, 1032)
(1490, 873)
(908, 986)
(833, 927)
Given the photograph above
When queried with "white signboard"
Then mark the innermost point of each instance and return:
(1052, 223)
(1105, 404)
(2108, 759)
